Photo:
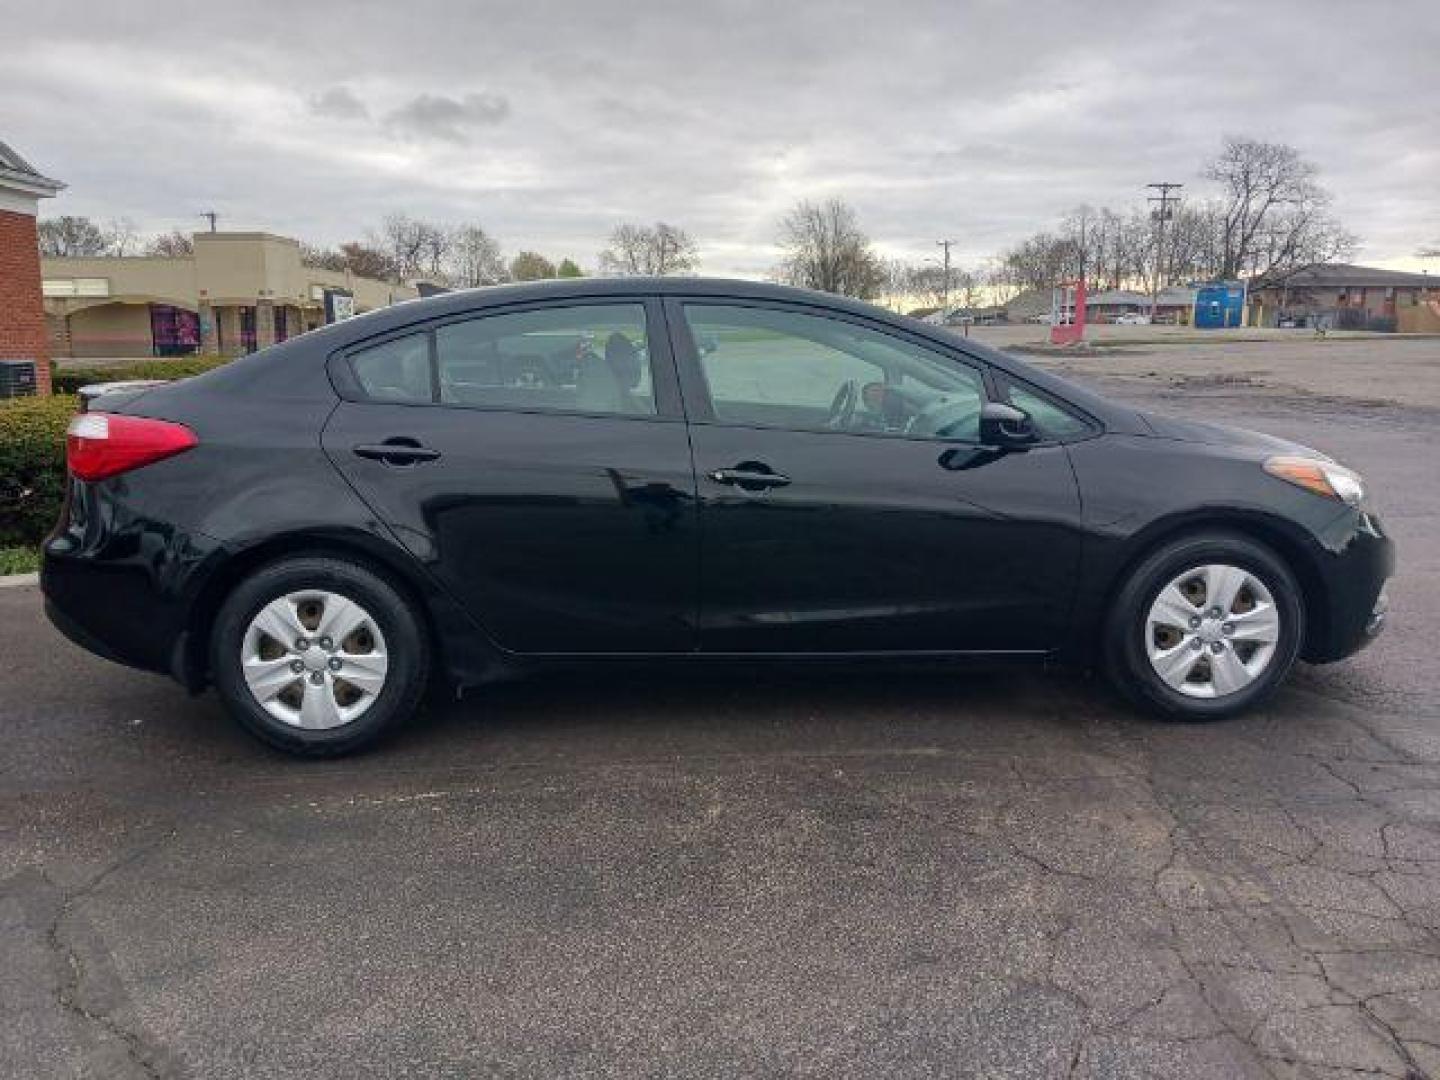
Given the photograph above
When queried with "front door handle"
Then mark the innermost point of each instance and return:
(397, 451)
(749, 478)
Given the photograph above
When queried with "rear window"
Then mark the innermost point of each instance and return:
(398, 370)
(590, 358)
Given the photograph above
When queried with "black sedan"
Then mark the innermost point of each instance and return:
(718, 471)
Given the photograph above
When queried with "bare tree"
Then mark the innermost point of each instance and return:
(172, 245)
(474, 258)
(966, 287)
(321, 258)
(1273, 212)
(825, 249)
(414, 247)
(120, 237)
(365, 260)
(927, 284)
(999, 282)
(70, 235)
(1082, 238)
(531, 266)
(652, 250)
(1429, 251)
(1039, 262)
(895, 290)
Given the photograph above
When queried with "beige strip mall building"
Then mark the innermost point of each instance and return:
(239, 291)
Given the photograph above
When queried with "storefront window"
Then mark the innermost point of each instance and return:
(247, 329)
(174, 331)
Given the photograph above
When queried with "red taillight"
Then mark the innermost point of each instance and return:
(100, 444)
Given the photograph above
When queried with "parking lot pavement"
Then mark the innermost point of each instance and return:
(826, 873)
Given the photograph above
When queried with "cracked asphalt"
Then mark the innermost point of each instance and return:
(845, 872)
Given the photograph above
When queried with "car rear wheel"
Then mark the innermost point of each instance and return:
(1205, 627)
(318, 656)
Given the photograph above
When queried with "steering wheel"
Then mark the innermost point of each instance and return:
(946, 418)
(842, 408)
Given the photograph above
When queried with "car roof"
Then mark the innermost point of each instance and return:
(460, 301)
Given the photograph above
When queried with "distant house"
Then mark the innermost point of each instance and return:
(1173, 304)
(1341, 295)
(963, 316)
(1028, 305)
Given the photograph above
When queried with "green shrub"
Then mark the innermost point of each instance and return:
(19, 560)
(32, 466)
(71, 379)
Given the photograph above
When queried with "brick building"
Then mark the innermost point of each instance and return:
(22, 316)
(1344, 296)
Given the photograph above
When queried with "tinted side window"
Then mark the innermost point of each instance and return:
(807, 372)
(398, 370)
(592, 358)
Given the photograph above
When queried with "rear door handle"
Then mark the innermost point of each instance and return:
(398, 451)
(749, 478)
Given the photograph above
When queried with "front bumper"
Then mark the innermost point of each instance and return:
(1353, 608)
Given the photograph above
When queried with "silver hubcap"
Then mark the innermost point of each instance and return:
(314, 659)
(1212, 631)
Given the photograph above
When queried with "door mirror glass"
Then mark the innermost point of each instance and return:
(1005, 425)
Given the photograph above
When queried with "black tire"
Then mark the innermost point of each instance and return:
(1126, 661)
(407, 647)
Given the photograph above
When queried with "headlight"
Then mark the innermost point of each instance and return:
(1322, 477)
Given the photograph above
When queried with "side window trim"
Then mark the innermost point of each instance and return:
(664, 366)
(699, 407)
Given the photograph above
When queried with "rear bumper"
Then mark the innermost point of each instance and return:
(124, 590)
(1354, 603)
(81, 635)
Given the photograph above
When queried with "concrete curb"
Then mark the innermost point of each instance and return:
(14, 581)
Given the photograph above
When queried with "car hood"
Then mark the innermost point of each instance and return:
(1197, 431)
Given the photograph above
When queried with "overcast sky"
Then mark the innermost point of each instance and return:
(549, 122)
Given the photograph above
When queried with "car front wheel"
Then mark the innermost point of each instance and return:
(318, 656)
(1205, 627)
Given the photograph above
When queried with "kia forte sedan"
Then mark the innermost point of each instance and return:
(455, 490)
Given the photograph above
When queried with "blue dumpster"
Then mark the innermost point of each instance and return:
(1219, 304)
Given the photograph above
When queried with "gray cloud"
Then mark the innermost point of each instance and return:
(982, 120)
(435, 116)
(338, 103)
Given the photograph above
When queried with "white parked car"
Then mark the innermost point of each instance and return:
(1132, 318)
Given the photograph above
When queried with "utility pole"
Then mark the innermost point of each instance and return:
(945, 281)
(1161, 215)
(212, 215)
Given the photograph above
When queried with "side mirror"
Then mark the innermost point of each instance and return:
(1005, 425)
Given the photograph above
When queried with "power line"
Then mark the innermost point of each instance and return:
(1162, 215)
